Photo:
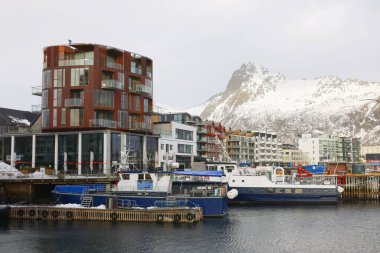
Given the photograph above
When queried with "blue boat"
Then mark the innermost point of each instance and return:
(152, 190)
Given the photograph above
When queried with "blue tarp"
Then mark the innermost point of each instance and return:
(201, 173)
(315, 169)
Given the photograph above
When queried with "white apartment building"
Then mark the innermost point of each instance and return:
(177, 143)
(330, 148)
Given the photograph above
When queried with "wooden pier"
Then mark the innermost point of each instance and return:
(360, 187)
(159, 215)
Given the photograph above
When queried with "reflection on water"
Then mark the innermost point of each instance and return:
(342, 228)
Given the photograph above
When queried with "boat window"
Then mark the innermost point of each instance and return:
(242, 180)
(269, 190)
(230, 168)
(212, 167)
(125, 176)
(288, 190)
(298, 191)
(141, 176)
(279, 190)
(148, 177)
(233, 180)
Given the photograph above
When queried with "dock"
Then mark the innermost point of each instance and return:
(159, 215)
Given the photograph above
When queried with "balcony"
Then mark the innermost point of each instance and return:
(103, 123)
(36, 108)
(140, 126)
(140, 88)
(163, 133)
(135, 70)
(202, 139)
(37, 90)
(75, 62)
(112, 84)
(149, 74)
(113, 65)
(74, 102)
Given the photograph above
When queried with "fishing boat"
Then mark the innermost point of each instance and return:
(269, 185)
(151, 190)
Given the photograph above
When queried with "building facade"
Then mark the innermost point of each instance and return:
(96, 101)
(90, 86)
(210, 139)
(177, 143)
(371, 155)
(240, 146)
(326, 148)
(292, 157)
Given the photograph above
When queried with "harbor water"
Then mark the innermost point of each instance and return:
(335, 228)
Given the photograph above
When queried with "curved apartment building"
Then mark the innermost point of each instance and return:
(91, 86)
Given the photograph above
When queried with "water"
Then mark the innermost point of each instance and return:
(341, 228)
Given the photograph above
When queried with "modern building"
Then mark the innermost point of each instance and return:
(371, 155)
(326, 148)
(258, 148)
(210, 138)
(293, 157)
(240, 145)
(177, 143)
(96, 101)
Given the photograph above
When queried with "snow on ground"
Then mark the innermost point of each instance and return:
(78, 206)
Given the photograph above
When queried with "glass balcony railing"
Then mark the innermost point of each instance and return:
(114, 65)
(140, 126)
(103, 123)
(135, 70)
(140, 88)
(149, 74)
(74, 102)
(37, 91)
(36, 108)
(112, 84)
(75, 62)
(163, 133)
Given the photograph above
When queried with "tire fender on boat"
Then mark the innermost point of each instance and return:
(189, 216)
(160, 218)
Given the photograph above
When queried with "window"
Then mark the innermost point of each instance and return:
(79, 76)
(76, 117)
(57, 98)
(178, 118)
(146, 105)
(167, 147)
(103, 98)
(183, 148)
(162, 146)
(171, 147)
(63, 117)
(183, 134)
(136, 103)
(123, 119)
(59, 77)
(54, 117)
(124, 101)
(45, 98)
(45, 118)
(46, 79)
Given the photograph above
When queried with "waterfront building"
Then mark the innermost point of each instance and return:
(177, 142)
(371, 155)
(325, 148)
(258, 148)
(95, 101)
(293, 157)
(210, 139)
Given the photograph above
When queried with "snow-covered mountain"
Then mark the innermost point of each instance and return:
(257, 99)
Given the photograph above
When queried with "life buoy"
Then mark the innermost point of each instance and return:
(54, 214)
(32, 213)
(160, 218)
(177, 217)
(44, 214)
(20, 213)
(69, 215)
(189, 216)
(114, 216)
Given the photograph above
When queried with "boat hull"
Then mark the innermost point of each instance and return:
(212, 206)
(267, 195)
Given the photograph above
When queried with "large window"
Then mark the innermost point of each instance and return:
(45, 98)
(63, 117)
(79, 76)
(76, 117)
(59, 77)
(57, 99)
(183, 134)
(146, 105)
(54, 117)
(123, 119)
(183, 148)
(124, 101)
(46, 79)
(45, 118)
(103, 98)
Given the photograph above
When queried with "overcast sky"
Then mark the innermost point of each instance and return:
(195, 45)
